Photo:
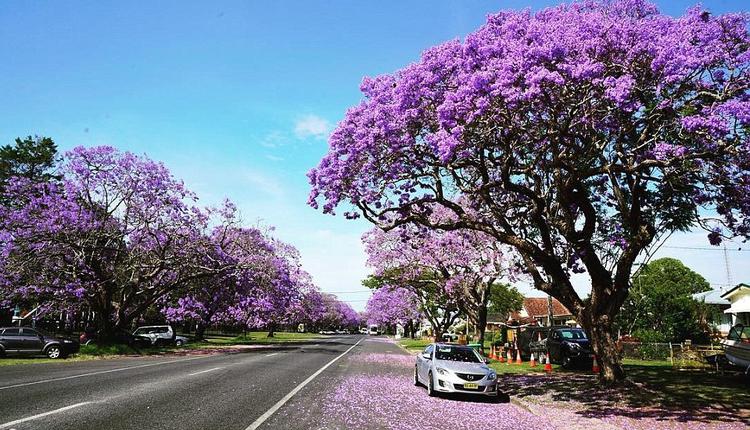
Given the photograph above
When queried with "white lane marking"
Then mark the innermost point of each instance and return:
(119, 369)
(205, 371)
(34, 417)
(271, 354)
(257, 423)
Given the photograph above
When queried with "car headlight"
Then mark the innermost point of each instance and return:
(441, 371)
(491, 376)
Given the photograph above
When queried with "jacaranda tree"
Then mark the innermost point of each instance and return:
(391, 305)
(463, 264)
(116, 233)
(577, 135)
(251, 266)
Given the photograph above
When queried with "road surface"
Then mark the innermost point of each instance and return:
(333, 383)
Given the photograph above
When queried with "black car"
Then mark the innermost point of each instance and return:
(16, 341)
(566, 345)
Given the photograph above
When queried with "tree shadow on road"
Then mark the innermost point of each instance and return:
(660, 393)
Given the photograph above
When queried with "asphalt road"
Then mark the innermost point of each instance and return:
(244, 390)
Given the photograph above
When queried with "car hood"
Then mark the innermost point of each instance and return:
(462, 367)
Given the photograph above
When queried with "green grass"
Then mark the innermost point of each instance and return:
(505, 368)
(653, 386)
(260, 337)
(414, 345)
(96, 352)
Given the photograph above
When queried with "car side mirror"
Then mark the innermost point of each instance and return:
(426, 355)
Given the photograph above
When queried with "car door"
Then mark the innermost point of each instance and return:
(32, 342)
(424, 363)
(11, 340)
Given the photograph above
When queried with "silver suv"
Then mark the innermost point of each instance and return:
(158, 335)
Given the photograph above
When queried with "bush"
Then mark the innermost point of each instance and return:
(654, 345)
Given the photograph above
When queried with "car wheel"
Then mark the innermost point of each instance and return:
(416, 377)
(565, 361)
(179, 342)
(54, 351)
(430, 386)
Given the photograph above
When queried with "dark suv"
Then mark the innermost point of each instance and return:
(566, 345)
(29, 341)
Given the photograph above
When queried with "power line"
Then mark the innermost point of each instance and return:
(697, 248)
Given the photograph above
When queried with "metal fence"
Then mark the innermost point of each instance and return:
(680, 355)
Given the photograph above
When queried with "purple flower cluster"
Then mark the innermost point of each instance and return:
(118, 234)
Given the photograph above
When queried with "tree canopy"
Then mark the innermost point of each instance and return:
(661, 301)
(578, 135)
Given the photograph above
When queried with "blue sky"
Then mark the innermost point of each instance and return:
(237, 98)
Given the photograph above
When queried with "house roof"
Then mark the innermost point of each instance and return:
(536, 307)
(734, 290)
(713, 297)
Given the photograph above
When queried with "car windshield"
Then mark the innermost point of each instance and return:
(451, 353)
(573, 334)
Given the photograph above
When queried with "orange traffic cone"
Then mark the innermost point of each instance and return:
(595, 367)
(492, 352)
(547, 364)
(500, 356)
(510, 358)
(532, 361)
(518, 357)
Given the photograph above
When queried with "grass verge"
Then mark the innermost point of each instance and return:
(96, 352)
(414, 345)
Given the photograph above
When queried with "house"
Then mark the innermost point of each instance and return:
(719, 320)
(739, 300)
(536, 309)
(533, 311)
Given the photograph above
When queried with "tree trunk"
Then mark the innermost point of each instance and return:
(599, 329)
(200, 330)
(482, 325)
(271, 329)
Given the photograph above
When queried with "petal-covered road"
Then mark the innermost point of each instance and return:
(371, 388)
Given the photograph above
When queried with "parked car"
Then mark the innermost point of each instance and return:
(566, 345)
(327, 332)
(90, 335)
(449, 368)
(157, 335)
(29, 341)
(363, 330)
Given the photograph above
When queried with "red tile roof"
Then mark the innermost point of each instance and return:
(537, 307)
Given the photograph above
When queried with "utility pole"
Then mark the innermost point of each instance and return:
(726, 265)
(549, 310)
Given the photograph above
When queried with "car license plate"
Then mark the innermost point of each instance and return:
(471, 385)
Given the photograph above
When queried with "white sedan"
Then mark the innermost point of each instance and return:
(448, 368)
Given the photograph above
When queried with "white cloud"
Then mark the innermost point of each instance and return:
(262, 182)
(273, 140)
(312, 126)
(274, 157)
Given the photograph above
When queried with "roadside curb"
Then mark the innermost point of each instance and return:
(402, 347)
(521, 404)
